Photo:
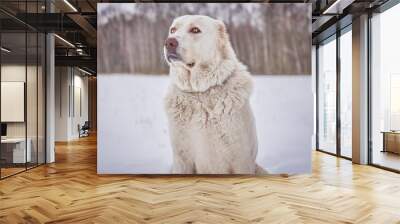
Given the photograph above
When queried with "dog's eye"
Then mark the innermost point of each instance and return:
(195, 30)
(173, 30)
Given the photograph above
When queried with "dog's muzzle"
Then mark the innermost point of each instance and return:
(171, 45)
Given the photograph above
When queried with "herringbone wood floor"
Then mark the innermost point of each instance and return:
(70, 191)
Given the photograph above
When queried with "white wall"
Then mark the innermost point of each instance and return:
(68, 81)
(133, 135)
(82, 83)
(62, 81)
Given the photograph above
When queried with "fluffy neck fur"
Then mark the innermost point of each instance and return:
(202, 77)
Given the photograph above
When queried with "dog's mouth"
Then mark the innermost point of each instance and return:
(173, 57)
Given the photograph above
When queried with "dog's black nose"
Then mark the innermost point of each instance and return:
(171, 44)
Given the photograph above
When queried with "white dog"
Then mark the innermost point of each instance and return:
(211, 123)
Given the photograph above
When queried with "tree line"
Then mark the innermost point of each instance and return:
(268, 38)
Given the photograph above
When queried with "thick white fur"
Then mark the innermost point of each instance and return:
(211, 123)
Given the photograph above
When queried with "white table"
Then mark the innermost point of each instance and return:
(19, 155)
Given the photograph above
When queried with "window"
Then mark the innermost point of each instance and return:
(346, 93)
(385, 89)
(334, 138)
(327, 96)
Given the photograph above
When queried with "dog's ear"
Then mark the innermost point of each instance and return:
(224, 44)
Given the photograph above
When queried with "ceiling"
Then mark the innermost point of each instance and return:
(332, 15)
(75, 27)
(75, 23)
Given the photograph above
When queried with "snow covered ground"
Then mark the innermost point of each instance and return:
(133, 134)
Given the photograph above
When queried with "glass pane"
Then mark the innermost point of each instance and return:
(327, 96)
(32, 90)
(41, 98)
(386, 89)
(31, 100)
(346, 93)
(13, 90)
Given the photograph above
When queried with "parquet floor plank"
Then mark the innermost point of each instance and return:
(70, 191)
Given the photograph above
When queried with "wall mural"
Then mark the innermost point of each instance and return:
(208, 88)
